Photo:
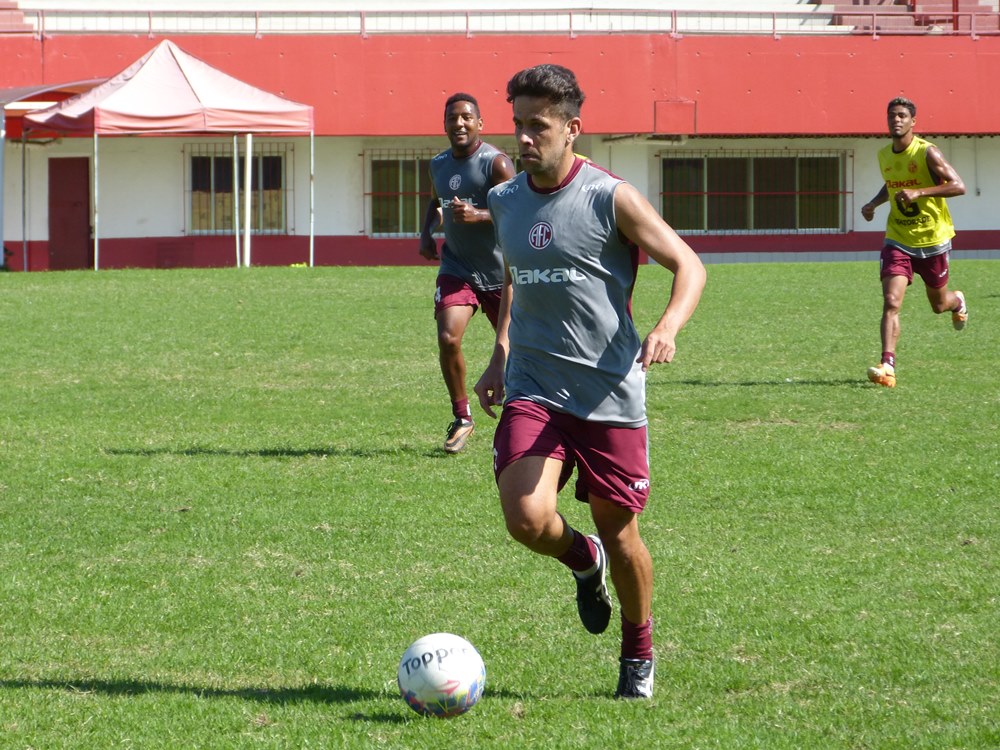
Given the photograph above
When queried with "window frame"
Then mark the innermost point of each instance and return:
(749, 197)
(283, 196)
(420, 159)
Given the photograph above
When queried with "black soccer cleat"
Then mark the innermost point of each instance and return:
(592, 600)
(635, 679)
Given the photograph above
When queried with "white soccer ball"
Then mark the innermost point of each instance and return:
(441, 675)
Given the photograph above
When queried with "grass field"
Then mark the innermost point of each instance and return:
(224, 515)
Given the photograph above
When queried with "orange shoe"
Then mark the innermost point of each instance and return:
(884, 374)
(959, 316)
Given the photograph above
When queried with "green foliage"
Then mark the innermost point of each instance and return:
(224, 514)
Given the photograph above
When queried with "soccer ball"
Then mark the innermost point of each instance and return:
(441, 675)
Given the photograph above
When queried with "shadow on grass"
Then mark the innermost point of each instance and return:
(327, 452)
(327, 694)
(127, 688)
(410, 715)
(840, 382)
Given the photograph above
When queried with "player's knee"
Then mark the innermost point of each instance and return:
(525, 528)
(624, 551)
(891, 302)
(524, 532)
(449, 341)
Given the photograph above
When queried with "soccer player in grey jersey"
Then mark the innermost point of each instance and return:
(471, 271)
(569, 366)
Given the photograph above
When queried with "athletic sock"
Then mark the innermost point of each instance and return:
(889, 358)
(637, 640)
(461, 410)
(581, 557)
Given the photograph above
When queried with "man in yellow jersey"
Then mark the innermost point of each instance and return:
(918, 231)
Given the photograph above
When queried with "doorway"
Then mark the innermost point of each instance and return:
(71, 245)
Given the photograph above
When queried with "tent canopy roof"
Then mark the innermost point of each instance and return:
(61, 90)
(169, 91)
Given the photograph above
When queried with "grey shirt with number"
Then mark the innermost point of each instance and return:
(469, 251)
(573, 344)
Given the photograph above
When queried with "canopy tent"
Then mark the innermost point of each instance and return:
(169, 91)
(18, 101)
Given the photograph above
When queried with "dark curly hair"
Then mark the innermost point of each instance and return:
(552, 82)
(463, 97)
(900, 101)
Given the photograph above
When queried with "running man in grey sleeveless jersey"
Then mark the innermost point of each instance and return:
(569, 366)
(471, 271)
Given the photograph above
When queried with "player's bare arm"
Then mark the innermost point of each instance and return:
(639, 222)
(432, 220)
(463, 212)
(490, 387)
(502, 169)
(949, 184)
(868, 210)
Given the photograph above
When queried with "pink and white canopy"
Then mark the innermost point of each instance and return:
(169, 91)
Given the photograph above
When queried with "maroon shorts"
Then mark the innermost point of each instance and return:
(612, 462)
(452, 291)
(933, 270)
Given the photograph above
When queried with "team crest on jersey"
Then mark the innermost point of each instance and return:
(912, 166)
(455, 182)
(540, 235)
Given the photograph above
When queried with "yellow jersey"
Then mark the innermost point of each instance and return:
(925, 225)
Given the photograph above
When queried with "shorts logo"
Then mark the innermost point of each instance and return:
(540, 235)
(639, 485)
(455, 182)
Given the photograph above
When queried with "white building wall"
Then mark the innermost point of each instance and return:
(143, 192)
(340, 204)
(140, 187)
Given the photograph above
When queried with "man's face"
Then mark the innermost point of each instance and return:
(543, 135)
(900, 121)
(462, 125)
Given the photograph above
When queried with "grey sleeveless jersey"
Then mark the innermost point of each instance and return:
(573, 345)
(470, 251)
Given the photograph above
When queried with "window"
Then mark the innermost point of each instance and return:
(762, 192)
(210, 180)
(400, 191)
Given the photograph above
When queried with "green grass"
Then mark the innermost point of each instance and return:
(224, 515)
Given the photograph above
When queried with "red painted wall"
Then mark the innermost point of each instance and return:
(393, 85)
(220, 252)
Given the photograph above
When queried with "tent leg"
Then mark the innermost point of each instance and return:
(24, 201)
(3, 148)
(97, 213)
(312, 199)
(247, 194)
(236, 195)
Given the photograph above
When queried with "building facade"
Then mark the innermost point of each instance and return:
(757, 140)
